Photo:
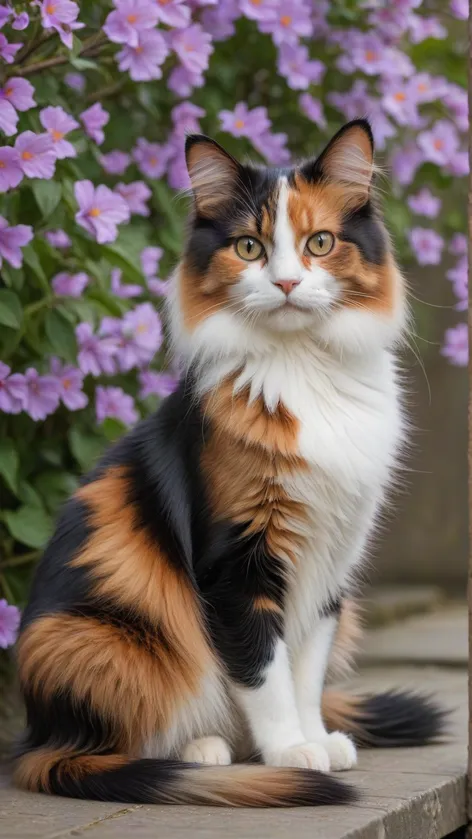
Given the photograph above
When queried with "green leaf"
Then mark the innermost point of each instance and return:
(61, 335)
(29, 525)
(117, 255)
(85, 447)
(11, 313)
(47, 195)
(77, 47)
(84, 64)
(54, 487)
(112, 305)
(32, 260)
(28, 495)
(113, 429)
(9, 464)
(13, 277)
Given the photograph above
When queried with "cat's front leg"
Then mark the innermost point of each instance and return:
(270, 708)
(309, 671)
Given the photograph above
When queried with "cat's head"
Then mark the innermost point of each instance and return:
(279, 251)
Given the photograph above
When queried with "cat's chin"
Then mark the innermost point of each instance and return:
(292, 318)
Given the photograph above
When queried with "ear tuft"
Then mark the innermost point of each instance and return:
(212, 171)
(349, 157)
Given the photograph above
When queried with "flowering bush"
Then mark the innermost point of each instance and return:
(95, 100)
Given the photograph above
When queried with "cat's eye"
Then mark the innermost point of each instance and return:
(249, 248)
(321, 243)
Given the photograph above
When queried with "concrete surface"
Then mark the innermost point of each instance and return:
(407, 793)
(437, 638)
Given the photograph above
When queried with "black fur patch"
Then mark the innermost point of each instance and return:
(397, 718)
(362, 228)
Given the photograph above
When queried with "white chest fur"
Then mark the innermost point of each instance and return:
(350, 427)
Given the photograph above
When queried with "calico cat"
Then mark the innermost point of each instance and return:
(184, 613)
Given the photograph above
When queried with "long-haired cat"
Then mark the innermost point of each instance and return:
(184, 613)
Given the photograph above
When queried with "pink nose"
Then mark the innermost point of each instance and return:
(287, 285)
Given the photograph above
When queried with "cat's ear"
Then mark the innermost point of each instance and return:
(347, 159)
(213, 172)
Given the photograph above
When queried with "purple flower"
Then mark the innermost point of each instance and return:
(459, 276)
(123, 290)
(12, 239)
(151, 158)
(96, 354)
(12, 390)
(150, 258)
(144, 324)
(94, 118)
(260, 10)
(100, 210)
(70, 285)
(421, 28)
(37, 156)
(129, 19)
(457, 245)
(399, 101)
(156, 384)
(424, 203)
(58, 238)
(8, 118)
(115, 403)
(456, 345)
(58, 123)
(42, 394)
(405, 162)
(144, 61)
(173, 13)
(219, 20)
(5, 13)
(115, 162)
(185, 118)
(245, 123)
(427, 88)
(290, 22)
(298, 69)
(181, 81)
(8, 51)
(273, 147)
(313, 109)
(135, 195)
(160, 288)
(427, 245)
(459, 164)
(70, 380)
(456, 99)
(11, 172)
(439, 144)
(193, 47)
(21, 20)
(60, 15)
(9, 624)
(76, 81)
(459, 8)
(177, 174)
(19, 92)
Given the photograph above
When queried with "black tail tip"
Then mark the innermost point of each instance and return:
(317, 788)
(400, 718)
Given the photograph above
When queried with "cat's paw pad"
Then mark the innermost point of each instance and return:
(213, 751)
(303, 756)
(341, 750)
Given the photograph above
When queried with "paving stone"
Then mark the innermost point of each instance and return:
(385, 604)
(437, 638)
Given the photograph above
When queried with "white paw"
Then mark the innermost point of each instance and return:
(341, 750)
(211, 750)
(304, 756)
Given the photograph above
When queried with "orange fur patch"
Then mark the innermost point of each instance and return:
(32, 770)
(347, 638)
(246, 454)
(265, 604)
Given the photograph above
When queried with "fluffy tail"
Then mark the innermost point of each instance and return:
(118, 778)
(393, 718)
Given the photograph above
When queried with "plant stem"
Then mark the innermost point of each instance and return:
(22, 559)
(103, 92)
(6, 588)
(94, 44)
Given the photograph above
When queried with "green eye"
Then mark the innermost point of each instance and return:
(320, 243)
(248, 248)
